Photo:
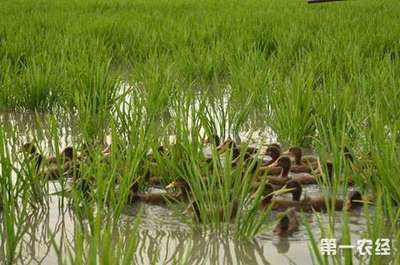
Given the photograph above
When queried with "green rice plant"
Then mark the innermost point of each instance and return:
(291, 101)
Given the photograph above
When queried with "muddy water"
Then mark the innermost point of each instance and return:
(163, 235)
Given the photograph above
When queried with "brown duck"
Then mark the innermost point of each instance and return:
(299, 165)
(288, 223)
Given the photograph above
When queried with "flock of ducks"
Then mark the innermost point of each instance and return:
(273, 172)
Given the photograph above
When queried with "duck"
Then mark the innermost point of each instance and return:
(283, 163)
(291, 186)
(320, 203)
(155, 198)
(67, 168)
(299, 166)
(310, 204)
(49, 167)
(288, 223)
(275, 145)
(269, 199)
(177, 190)
(31, 152)
(236, 149)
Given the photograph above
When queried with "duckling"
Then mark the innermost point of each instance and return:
(288, 223)
(236, 150)
(67, 154)
(159, 198)
(284, 164)
(67, 168)
(299, 166)
(30, 150)
(320, 203)
(277, 146)
(292, 186)
(177, 190)
(281, 204)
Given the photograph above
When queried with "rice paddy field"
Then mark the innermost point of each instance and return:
(140, 131)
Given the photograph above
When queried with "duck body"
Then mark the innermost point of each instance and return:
(304, 178)
(288, 223)
(302, 164)
(151, 198)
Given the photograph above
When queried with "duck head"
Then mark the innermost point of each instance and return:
(354, 200)
(297, 153)
(68, 153)
(285, 163)
(276, 145)
(273, 152)
(296, 189)
(287, 224)
(283, 225)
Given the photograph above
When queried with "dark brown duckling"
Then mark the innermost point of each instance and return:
(67, 154)
(284, 164)
(67, 168)
(230, 145)
(31, 152)
(282, 204)
(292, 186)
(276, 145)
(299, 166)
(156, 198)
(320, 203)
(288, 223)
(177, 190)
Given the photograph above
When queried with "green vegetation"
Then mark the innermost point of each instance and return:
(322, 76)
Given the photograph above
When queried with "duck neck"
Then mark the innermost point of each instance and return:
(266, 201)
(285, 172)
(298, 159)
(296, 195)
